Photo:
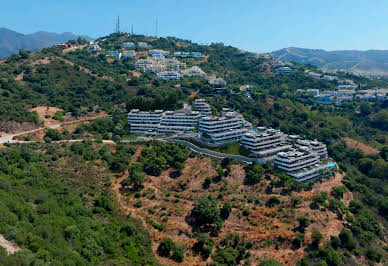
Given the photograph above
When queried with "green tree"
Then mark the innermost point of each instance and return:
(338, 192)
(226, 210)
(303, 222)
(165, 247)
(253, 174)
(270, 262)
(316, 237)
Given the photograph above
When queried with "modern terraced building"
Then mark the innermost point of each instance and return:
(160, 122)
(228, 128)
(265, 142)
(302, 164)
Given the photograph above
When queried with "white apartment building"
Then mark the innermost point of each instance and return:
(196, 55)
(94, 48)
(159, 122)
(159, 65)
(264, 142)
(116, 54)
(314, 75)
(329, 78)
(193, 72)
(228, 128)
(129, 54)
(129, 45)
(144, 122)
(179, 121)
(172, 63)
(314, 145)
(169, 75)
(216, 81)
(142, 44)
(188, 54)
(143, 64)
(347, 87)
(201, 106)
(301, 164)
(182, 54)
(158, 53)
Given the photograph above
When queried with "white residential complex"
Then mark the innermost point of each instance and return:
(169, 75)
(142, 44)
(188, 54)
(264, 142)
(299, 158)
(94, 48)
(143, 122)
(158, 53)
(216, 81)
(129, 54)
(178, 121)
(201, 106)
(159, 65)
(159, 122)
(267, 142)
(193, 72)
(228, 128)
(301, 164)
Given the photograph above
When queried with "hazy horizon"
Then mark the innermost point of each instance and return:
(256, 26)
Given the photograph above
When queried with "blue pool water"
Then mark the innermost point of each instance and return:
(254, 131)
(331, 164)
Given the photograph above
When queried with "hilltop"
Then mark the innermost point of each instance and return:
(371, 62)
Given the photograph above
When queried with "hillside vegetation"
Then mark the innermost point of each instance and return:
(120, 204)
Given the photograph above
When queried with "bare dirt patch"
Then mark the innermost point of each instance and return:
(354, 144)
(46, 113)
(8, 246)
(65, 51)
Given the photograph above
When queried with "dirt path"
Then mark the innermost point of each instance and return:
(9, 137)
(74, 48)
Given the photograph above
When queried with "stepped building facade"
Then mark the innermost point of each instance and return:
(229, 127)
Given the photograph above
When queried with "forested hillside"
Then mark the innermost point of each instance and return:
(119, 204)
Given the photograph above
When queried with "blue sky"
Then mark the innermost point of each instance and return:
(254, 25)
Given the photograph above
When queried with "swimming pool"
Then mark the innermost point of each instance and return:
(254, 131)
(331, 164)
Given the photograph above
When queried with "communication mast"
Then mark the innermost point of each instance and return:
(156, 26)
(118, 25)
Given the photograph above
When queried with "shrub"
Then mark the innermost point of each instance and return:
(272, 201)
(226, 210)
(178, 253)
(347, 240)
(316, 236)
(303, 222)
(270, 262)
(165, 247)
(138, 204)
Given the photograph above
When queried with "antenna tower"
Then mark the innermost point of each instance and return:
(118, 25)
(156, 26)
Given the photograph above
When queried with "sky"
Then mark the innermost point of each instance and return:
(253, 25)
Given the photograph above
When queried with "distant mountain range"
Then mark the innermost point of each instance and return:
(12, 41)
(374, 62)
